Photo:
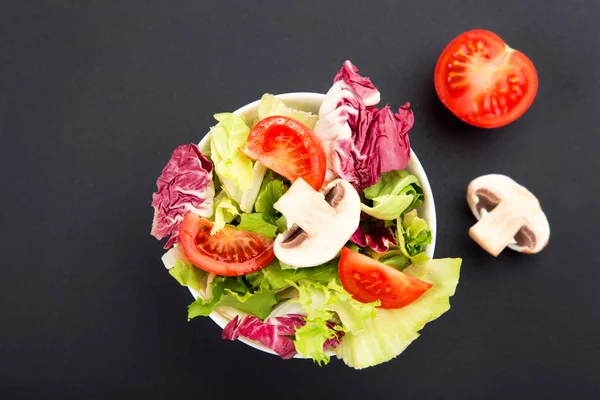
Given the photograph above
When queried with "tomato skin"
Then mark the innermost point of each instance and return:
(289, 148)
(483, 81)
(368, 280)
(202, 249)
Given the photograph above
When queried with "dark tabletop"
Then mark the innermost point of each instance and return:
(94, 96)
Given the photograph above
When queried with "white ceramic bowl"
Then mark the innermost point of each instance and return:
(311, 102)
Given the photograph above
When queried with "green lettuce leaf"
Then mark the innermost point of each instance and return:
(270, 105)
(281, 223)
(413, 236)
(354, 247)
(225, 212)
(309, 339)
(322, 302)
(187, 275)
(234, 170)
(387, 334)
(275, 277)
(269, 194)
(249, 196)
(395, 193)
(231, 292)
(285, 266)
(256, 223)
(352, 313)
(398, 261)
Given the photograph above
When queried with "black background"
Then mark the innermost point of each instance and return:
(94, 96)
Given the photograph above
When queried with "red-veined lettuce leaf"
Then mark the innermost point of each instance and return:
(185, 185)
(374, 235)
(276, 333)
(361, 141)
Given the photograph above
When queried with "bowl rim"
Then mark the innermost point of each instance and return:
(427, 211)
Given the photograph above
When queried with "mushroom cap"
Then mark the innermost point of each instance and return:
(487, 191)
(303, 249)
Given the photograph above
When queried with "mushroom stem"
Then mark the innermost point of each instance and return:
(496, 229)
(310, 212)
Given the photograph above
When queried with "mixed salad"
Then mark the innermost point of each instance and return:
(303, 229)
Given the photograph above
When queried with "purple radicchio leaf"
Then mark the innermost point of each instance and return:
(374, 235)
(276, 333)
(185, 185)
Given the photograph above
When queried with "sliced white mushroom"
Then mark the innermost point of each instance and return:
(508, 214)
(323, 222)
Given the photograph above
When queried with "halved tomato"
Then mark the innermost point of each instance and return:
(289, 148)
(368, 280)
(483, 81)
(230, 252)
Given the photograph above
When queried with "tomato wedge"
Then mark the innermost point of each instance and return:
(483, 81)
(289, 148)
(368, 280)
(230, 252)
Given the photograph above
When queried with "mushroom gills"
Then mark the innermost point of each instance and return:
(525, 238)
(322, 222)
(335, 196)
(509, 215)
(295, 236)
(486, 200)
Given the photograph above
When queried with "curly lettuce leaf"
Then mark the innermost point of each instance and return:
(387, 334)
(256, 223)
(269, 194)
(310, 339)
(187, 275)
(413, 236)
(270, 105)
(398, 261)
(233, 293)
(285, 266)
(395, 193)
(234, 169)
(275, 277)
(321, 302)
(281, 223)
(225, 212)
(352, 313)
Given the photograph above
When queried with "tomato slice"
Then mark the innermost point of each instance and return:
(289, 148)
(368, 280)
(483, 81)
(230, 252)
